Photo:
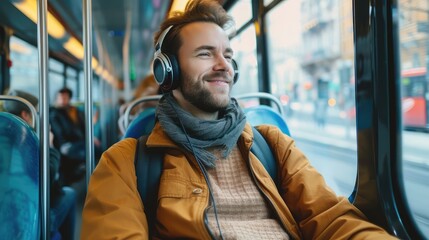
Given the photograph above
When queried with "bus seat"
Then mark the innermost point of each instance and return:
(19, 179)
(142, 124)
(263, 114)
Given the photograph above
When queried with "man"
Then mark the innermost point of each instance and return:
(62, 198)
(211, 185)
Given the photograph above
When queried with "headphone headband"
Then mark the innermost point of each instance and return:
(158, 44)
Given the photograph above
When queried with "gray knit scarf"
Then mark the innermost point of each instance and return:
(223, 132)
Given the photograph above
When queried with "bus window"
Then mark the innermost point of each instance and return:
(72, 81)
(311, 70)
(414, 102)
(414, 53)
(241, 12)
(56, 79)
(24, 73)
(244, 46)
(267, 2)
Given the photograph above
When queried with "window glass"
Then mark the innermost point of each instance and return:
(96, 91)
(55, 84)
(244, 46)
(311, 61)
(56, 66)
(72, 81)
(241, 12)
(71, 73)
(267, 2)
(24, 73)
(56, 78)
(414, 52)
(81, 86)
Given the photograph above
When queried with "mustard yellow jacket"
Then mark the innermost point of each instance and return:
(306, 207)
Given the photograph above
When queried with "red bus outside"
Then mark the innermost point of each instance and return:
(415, 98)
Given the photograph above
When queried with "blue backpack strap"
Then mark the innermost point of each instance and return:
(148, 166)
(263, 152)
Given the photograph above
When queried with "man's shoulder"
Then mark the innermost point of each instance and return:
(125, 148)
(120, 155)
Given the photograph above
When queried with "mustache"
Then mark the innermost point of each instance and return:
(221, 74)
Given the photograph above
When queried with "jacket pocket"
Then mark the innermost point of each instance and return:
(179, 188)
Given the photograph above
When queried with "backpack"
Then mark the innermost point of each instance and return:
(148, 166)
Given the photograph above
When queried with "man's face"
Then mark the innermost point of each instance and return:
(205, 63)
(63, 99)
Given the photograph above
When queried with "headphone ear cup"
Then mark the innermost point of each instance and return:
(166, 71)
(159, 69)
(236, 71)
(175, 72)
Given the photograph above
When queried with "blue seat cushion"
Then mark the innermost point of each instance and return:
(266, 115)
(142, 124)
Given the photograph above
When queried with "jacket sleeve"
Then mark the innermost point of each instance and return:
(319, 212)
(113, 208)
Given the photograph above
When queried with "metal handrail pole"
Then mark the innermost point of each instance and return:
(42, 44)
(87, 45)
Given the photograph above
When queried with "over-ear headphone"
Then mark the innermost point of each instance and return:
(166, 68)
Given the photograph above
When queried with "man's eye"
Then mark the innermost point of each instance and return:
(203, 54)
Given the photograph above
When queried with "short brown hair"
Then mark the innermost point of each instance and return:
(195, 11)
(67, 91)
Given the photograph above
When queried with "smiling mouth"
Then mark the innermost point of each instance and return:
(222, 77)
(217, 81)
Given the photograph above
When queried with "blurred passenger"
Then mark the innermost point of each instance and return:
(62, 198)
(211, 185)
(68, 126)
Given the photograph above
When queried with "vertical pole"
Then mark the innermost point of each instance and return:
(87, 45)
(42, 43)
(261, 47)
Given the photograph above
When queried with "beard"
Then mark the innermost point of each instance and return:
(195, 93)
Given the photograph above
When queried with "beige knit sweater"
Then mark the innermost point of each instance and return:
(241, 209)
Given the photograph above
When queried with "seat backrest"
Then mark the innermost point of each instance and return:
(266, 115)
(134, 103)
(263, 114)
(19, 179)
(142, 124)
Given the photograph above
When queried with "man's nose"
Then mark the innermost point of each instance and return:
(223, 64)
